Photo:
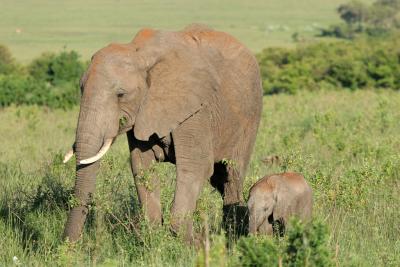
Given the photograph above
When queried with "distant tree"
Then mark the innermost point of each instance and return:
(391, 3)
(354, 14)
(377, 19)
(383, 14)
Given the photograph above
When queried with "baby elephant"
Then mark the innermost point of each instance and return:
(275, 198)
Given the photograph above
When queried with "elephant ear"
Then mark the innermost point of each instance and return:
(180, 84)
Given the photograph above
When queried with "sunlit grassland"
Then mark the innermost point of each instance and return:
(345, 143)
(31, 27)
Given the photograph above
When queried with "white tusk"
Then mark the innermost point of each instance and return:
(103, 150)
(68, 155)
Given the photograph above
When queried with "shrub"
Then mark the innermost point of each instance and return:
(363, 63)
(304, 245)
(19, 90)
(51, 80)
(307, 245)
(383, 67)
(347, 73)
(7, 62)
(64, 95)
(289, 80)
(57, 69)
(258, 251)
(40, 68)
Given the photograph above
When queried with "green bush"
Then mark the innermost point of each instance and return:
(25, 90)
(50, 80)
(341, 30)
(40, 68)
(383, 67)
(304, 245)
(363, 63)
(19, 90)
(347, 73)
(57, 69)
(307, 246)
(258, 251)
(7, 62)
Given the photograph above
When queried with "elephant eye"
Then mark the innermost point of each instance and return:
(120, 92)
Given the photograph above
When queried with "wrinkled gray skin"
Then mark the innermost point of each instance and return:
(275, 198)
(192, 98)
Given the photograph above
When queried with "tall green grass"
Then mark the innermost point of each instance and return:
(345, 143)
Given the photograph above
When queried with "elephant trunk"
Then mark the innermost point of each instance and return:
(84, 188)
(88, 142)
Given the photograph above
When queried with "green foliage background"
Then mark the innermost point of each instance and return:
(52, 79)
(363, 63)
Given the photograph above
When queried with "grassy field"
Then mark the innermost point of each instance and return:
(32, 27)
(345, 143)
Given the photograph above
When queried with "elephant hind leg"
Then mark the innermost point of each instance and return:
(228, 180)
(219, 177)
(266, 227)
(233, 189)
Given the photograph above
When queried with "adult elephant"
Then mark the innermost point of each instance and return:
(191, 97)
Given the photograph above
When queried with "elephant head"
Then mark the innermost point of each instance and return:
(141, 85)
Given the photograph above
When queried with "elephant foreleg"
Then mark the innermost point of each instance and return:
(194, 165)
(146, 180)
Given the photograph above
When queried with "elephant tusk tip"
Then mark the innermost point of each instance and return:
(68, 156)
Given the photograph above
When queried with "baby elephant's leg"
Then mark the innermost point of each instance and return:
(258, 222)
(265, 228)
